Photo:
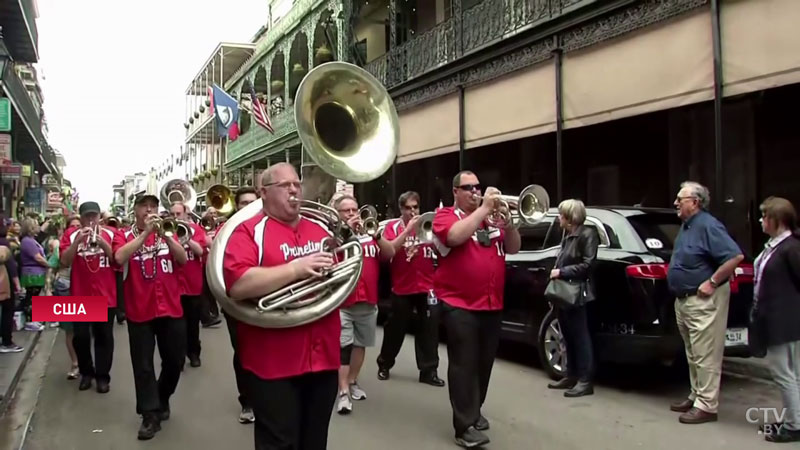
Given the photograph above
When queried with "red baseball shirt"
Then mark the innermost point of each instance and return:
(409, 277)
(367, 288)
(151, 281)
(285, 352)
(191, 274)
(91, 274)
(472, 275)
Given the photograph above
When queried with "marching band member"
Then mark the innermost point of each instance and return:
(191, 277)
(412, 280)
(88, 250)
(359, 313)
(469, 281)
(243, 197)
(118, 275)
(153, 309)
(291, 372)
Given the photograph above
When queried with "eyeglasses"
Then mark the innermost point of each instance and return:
(410, 207)
(680, 199)
(285, 184)
(470, 187)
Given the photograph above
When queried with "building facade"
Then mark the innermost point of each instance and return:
(25, 154)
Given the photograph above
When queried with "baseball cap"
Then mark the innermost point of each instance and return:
(142, 198)
(89, 207)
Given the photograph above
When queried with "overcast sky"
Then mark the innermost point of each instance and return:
(115, 76)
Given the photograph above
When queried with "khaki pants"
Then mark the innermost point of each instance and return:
(702, 323)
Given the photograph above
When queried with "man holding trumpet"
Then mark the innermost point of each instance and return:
(412, 280)
(359, 313)
(191, 278)
(88, 251)
(469, 281)
(291, 373)
(153, 306)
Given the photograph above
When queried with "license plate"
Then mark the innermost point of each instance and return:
(735, 337)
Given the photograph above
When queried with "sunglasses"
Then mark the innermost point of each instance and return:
(469, 187)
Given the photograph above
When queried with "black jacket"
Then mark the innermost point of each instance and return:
(778, 308)
(577, 257)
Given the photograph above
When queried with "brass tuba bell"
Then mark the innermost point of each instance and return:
(348, 125)
(178, 191)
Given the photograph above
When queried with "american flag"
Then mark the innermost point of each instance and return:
(258, 111)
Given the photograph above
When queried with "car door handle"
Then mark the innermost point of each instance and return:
(536, 269)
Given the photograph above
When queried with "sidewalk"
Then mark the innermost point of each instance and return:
(12, 364)
(747, 367)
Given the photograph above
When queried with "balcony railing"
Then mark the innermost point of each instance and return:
(258, 137)
(19, 95)
(474, 29)
(18, 19)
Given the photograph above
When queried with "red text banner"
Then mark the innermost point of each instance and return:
(70, 309)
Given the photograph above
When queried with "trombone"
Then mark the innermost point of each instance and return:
(529, 207)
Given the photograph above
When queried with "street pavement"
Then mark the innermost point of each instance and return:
(630, 409)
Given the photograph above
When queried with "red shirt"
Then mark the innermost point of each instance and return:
(367, 288)
(470, 276)
(91, 274)
(191, 274)
(273, 353)
(409, 277)
(152, 284)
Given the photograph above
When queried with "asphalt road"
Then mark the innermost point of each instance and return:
(629, 410)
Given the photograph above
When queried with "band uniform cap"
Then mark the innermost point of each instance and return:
(142, 198)
(89, 207)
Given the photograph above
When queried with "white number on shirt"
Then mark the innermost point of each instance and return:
(190, 255)
(370, 251)
(105, 262)
(500, 250)
(166, 266)
(427, 252)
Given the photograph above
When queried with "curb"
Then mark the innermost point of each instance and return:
(747, 367)
(29, 349)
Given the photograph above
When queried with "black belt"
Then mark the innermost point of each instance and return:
(683, 295)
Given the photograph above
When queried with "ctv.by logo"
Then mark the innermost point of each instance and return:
(764, 415)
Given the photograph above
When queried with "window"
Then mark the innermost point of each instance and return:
(533, 236)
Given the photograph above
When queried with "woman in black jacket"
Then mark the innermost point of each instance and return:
(776, 310)
(575, 262)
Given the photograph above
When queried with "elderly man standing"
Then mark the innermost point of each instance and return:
(702, 262)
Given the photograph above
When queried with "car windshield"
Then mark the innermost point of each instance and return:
(657, 230)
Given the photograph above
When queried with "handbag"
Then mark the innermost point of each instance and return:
(564, 293)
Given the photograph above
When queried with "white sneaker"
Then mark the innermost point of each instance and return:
(344, 406)
(247, 416)
(34, 326)
(13, 348)
(356, 393)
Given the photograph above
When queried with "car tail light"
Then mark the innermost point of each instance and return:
(647, 271)
(743, 273)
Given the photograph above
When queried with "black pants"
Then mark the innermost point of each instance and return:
(209, 309)
(170, 335)
(580, 355)
(27, 302)
(191, 314)
(6, 320)
(120, 296)
(472, 339)
(426, 341)
(293, 413)
(103, 332)
(241, 382)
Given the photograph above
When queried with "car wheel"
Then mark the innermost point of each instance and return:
(552, 347)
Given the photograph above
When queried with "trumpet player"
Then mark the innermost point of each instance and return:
(290, 372)
(469, 281)
(191, 277)
(412, 281)
(87, 249)
(154, 313)
(359, 313)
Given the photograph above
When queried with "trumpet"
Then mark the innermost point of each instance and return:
(113, 222)
(423, 232)
(369, 220)
(529, 207)
(178, 228)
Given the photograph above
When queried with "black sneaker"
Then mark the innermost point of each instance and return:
(564, 383)
(150, 426)
(164, 414)
(783, 435)
(194, 361)
(482, 424)
(383, 373)
(86, 383)
(472, 438)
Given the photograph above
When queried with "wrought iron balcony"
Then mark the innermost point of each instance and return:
(468, 32)
(18, 22)
(258, 138)
(15, 89)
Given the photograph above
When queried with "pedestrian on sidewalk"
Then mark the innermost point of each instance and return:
(33, 270)
(7, 302)
(703, 259)
(776, 310)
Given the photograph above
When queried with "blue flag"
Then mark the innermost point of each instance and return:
(226, 110)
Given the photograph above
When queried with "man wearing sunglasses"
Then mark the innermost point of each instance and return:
(469, 281)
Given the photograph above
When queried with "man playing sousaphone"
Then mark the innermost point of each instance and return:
(153, 309)
(291, 373)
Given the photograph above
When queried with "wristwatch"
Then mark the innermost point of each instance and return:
(714, 284)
